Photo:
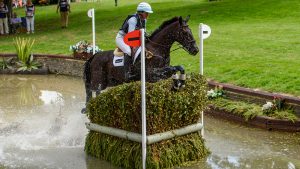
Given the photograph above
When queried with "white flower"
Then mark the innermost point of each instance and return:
(210, 92)
(267, 106)
(84, 46)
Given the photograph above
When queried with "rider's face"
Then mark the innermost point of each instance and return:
(144, 15)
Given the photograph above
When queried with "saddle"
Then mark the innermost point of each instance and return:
(135, 51)
(118, 52)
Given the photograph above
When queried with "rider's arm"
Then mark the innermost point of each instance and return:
(131, 24)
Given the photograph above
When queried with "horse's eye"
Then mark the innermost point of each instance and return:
(185, 28)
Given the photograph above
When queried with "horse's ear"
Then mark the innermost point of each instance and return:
(180, 20)
(187, 18)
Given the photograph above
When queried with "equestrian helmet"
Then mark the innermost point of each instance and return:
(144, 7)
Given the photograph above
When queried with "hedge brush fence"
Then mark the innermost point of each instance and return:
(120, 107)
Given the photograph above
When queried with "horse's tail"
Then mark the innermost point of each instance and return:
(87, 70)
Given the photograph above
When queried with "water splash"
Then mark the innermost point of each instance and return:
(52, 121)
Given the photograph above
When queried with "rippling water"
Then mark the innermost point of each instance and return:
(41, 127)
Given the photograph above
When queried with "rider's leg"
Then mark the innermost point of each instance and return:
(127, 67)
(127, 57)
(122, 45)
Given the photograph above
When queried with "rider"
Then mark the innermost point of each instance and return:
(131, 23)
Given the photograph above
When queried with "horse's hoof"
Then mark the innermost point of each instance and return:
(175, 88)
(83, 111)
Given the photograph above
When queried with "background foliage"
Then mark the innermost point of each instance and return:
(251, 110)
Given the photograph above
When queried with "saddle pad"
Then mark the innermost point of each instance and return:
(118, 61)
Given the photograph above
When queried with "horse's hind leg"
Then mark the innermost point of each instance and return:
(88, 93)
(98, 79)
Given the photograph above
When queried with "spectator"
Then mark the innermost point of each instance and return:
(22, 3)
(64, 7)
(3, 18)
(15, 4)
(15, 22)
(29, 13)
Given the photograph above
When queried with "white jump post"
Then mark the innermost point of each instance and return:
(136, 38)
(143, 89)
(204, 32)
(91, 14)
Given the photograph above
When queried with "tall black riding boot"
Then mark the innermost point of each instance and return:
(127, 67)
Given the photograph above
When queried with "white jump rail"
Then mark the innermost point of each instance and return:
(137, 137)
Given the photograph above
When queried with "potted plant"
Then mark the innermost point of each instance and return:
(25, 61)
(83, 50)
(6, 64)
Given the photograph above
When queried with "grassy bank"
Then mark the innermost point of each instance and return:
(253, 43)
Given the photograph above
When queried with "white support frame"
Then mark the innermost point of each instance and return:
(137, 137)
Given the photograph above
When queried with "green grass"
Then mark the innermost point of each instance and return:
(254, 43)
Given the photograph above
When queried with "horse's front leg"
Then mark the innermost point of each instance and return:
(178, 80)
(182, 76)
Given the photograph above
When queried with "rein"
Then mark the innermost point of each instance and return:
(168, 46)
(164, 46)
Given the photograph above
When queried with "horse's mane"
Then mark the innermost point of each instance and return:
(164, 24)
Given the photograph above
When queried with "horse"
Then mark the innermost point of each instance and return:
(100, 73)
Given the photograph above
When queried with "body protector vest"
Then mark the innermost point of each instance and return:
(139, 25)
(63, 4)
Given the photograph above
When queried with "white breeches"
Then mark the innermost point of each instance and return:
(121, 44)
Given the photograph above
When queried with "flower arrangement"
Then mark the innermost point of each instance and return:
(84, 47)
(277, 104)
(215, 93)
(268, 108)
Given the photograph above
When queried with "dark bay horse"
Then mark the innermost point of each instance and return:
(100, 73)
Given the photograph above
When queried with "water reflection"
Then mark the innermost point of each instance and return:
(51, 97)
(24, 88)
(41, 127)
(236, 146)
